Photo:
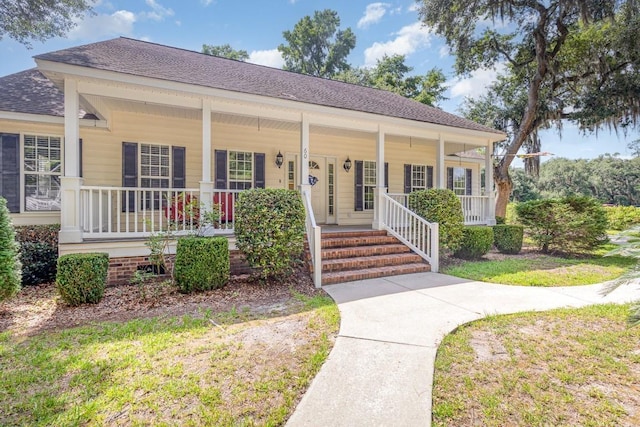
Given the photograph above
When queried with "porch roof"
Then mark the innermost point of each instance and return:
(145, 59)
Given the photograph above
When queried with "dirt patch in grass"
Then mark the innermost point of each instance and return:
(38, 308)
(578, 367)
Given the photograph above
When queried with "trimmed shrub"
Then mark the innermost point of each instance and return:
(476, 242)
(38, 252)
(501, 220)
(201, 263)
(39, 263)
(622, 217)
(443, 207)
(81, 278)
(508, 238)
(269, 228)
(9, 257)
(567, 224)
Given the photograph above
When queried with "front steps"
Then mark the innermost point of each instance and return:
(357, 255)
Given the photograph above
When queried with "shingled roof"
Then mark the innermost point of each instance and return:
(32, 93)
(139, 58)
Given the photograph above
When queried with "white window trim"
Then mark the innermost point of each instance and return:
(23, 173)
(140, 177)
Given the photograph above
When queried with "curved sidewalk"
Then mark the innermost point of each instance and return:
(380, 371)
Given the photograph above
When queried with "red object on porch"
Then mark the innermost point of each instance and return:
(225, 202)
(182, 208)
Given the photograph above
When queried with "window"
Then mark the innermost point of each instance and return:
(42, 170)
(240, 170)
(459, 181)
(418, 177)
(155, 166)
(369, 184)
(331, 181)
(291, 175)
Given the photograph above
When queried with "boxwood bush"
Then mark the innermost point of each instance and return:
(443, 207)
(476, 242)
(9, 259)
(201, 263)
(569, 224)
(508, 238)
(81, 278)
(269, 228)
(38, 252)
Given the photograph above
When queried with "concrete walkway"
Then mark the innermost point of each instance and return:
(380, 371)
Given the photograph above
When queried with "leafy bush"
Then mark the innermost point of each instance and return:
(501, 220)
(511, 217)
(443, 207)
(269, 228)
(567, 224)
(476, 242)
(508, 238)
(38, 252)
(81, 278)
(9, 258)
(201, 263)
(622, 217)
(39, 263)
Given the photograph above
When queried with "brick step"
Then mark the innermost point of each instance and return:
(369, 262)
(359, 251)
(344, 242)
(372, 273)
(363, 233)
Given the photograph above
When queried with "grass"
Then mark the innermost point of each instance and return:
(206, 370)
(572, 367)
(545, 270)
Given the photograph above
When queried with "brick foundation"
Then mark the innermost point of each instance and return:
(122, 269)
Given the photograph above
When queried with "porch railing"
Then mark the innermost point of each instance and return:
(314, 239)
(412, 230)
(116, 212)
(475, 209)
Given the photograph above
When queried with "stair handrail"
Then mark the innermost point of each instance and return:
(314, 239)
(411, 229)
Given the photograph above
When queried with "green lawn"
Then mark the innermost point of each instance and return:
(577, 367)
(544, 270)
(207, 370)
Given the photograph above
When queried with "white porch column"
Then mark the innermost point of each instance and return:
(378, 206)
(488, 185)
(440, 169)
(70, 182)
(304, 153)
(206, 185)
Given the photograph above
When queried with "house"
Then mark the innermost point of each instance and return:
(109, 139)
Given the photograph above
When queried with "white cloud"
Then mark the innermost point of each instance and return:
(476, 84)
(96, 26)
(444, 51)
(408, 40)
(413, 8)
(373, 14)
(158, 12)
(206, 3)
(270, 58)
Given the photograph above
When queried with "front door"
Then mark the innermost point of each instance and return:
(322, 178)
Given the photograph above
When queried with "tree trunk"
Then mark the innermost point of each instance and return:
(504, 185)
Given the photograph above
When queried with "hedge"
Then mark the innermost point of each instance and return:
(38, 252)
(201, 263)
(81, 278)
(441, 206)
(476, 242)
(508, 238)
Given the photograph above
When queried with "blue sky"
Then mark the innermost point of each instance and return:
(256, 26)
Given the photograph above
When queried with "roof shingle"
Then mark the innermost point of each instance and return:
(30, 92)
(139, 58)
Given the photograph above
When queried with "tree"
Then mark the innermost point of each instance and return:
(225, 51)
(550, 67)
(524, 186)
(10, 273)
(316, 47)
(26, 20)
(634, 147)
(392, 74)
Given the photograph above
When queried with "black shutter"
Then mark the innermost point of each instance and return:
(359, 188)
(179, 178)
(386, 175)
(450, 178)
(10, 170)
(258, 176)
(221, 169)
(429, 176)
(80, 173)
(407, 179)
(468, 189)
(129, 174)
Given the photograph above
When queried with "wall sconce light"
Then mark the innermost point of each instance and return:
(347, 164)
(279, 159)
